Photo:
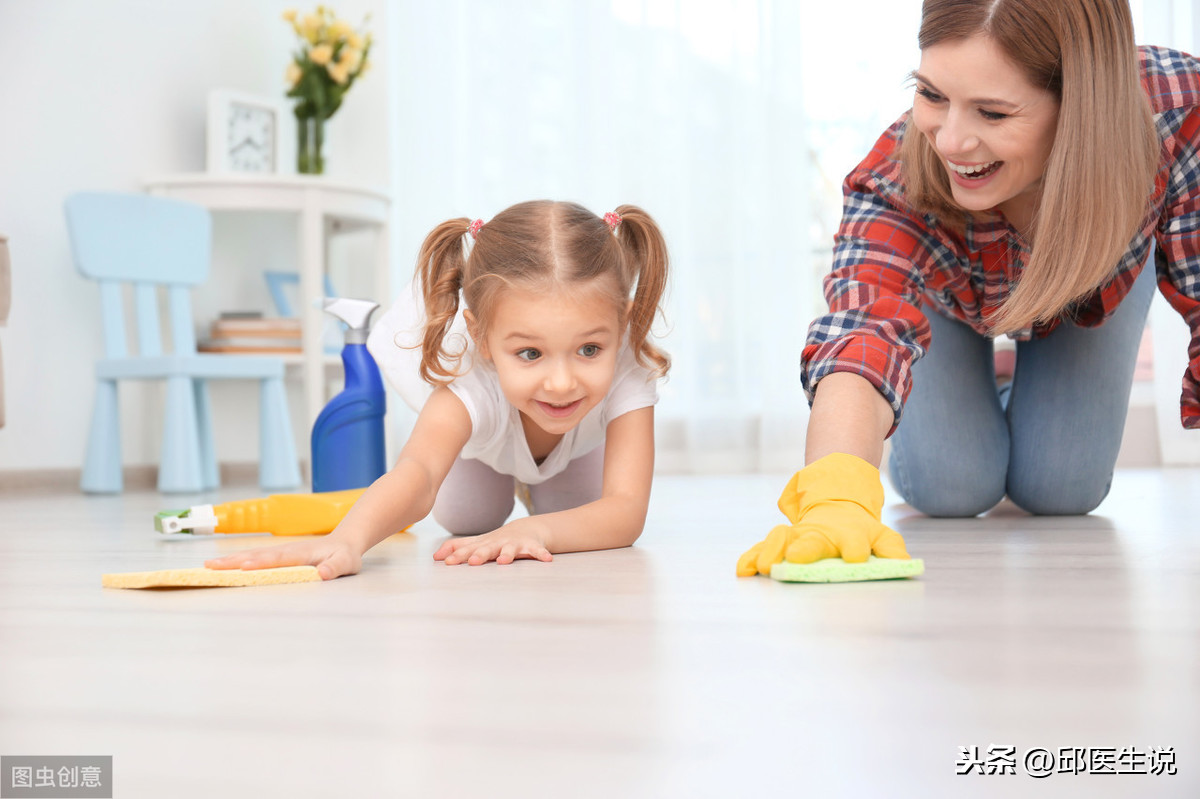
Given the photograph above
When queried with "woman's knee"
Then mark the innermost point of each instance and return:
(955, 501)
(1058, 494)
(935, 489)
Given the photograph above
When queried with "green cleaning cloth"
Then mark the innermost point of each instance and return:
(836, 570)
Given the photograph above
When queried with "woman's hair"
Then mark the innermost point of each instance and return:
(1100, 173)
(539, 246)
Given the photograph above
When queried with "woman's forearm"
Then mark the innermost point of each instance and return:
(848, 415)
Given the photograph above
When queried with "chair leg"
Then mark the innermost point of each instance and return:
(277, 467)
(179, 468)
(209, 475)
(102, 462)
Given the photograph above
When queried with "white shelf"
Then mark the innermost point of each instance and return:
(293, 360)
(324, 208)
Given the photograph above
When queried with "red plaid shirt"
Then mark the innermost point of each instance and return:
(888, 257)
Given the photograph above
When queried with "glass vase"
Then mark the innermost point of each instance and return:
(310, 132)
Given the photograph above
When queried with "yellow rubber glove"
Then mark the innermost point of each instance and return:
(834, 506)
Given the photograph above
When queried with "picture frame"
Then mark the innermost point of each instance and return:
(250, 134)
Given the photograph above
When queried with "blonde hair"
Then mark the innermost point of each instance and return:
(1100, 174)
(540, 245)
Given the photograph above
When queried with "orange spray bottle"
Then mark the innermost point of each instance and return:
(278, 514)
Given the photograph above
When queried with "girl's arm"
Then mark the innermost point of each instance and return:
(403, 495)
(615, 520)
(848, 415)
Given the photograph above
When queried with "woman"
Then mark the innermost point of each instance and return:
(1043, 161)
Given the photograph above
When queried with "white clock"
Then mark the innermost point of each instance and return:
(250, 134)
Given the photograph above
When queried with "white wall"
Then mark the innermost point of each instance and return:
(99, 95)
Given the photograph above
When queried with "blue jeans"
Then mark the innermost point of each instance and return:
(1049, 440)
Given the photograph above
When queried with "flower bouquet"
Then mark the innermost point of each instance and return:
(332, 55)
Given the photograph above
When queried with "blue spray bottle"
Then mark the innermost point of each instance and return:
(347, 438)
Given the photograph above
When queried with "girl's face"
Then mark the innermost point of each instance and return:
(991, 128)
(555, 353)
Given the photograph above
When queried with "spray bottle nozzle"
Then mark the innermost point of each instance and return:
(355, 313)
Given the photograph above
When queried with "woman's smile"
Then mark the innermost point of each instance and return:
(973, 176)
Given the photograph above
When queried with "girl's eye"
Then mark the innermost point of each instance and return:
(929, 94)
(528, 354)
(993, 116)
(589, 350)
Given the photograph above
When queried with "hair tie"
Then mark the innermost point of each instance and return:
(475, 227)
(612, 219)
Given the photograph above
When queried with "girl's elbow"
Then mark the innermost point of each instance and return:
(630, 536)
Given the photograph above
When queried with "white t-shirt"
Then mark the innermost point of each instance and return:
(497, 437)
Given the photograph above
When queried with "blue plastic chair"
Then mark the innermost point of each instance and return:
(152, 243)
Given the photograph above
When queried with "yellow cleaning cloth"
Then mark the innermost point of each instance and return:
(210, 578)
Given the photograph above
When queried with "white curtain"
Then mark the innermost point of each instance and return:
(732, 121)
(692, 110)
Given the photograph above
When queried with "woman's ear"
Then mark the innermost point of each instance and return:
(475, 331)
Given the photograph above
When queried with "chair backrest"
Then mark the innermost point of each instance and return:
(148, 242)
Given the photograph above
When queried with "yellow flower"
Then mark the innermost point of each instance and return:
(311, 27)
(321, 54)
(329, 43)
(338, 72)
(350, 58)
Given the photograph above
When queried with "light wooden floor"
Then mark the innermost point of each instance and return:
(645, 672)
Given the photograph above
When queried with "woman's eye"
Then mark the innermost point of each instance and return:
(528, 354)
(994, 116)
(929, 94)
(589, 350)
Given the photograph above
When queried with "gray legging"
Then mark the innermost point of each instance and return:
(1049, 440)
(475, 498)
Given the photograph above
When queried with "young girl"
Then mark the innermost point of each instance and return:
(551, 393)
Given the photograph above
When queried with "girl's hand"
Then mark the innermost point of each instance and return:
(520, 539)
(332, 557)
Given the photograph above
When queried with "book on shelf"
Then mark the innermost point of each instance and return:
(252, 344)
(255, 328)
(246, 333)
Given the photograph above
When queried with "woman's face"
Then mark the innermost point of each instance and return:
(991, 128)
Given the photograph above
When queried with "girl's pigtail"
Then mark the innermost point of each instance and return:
(646, 256)
(440, 269)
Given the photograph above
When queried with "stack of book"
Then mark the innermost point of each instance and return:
(252, 333)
